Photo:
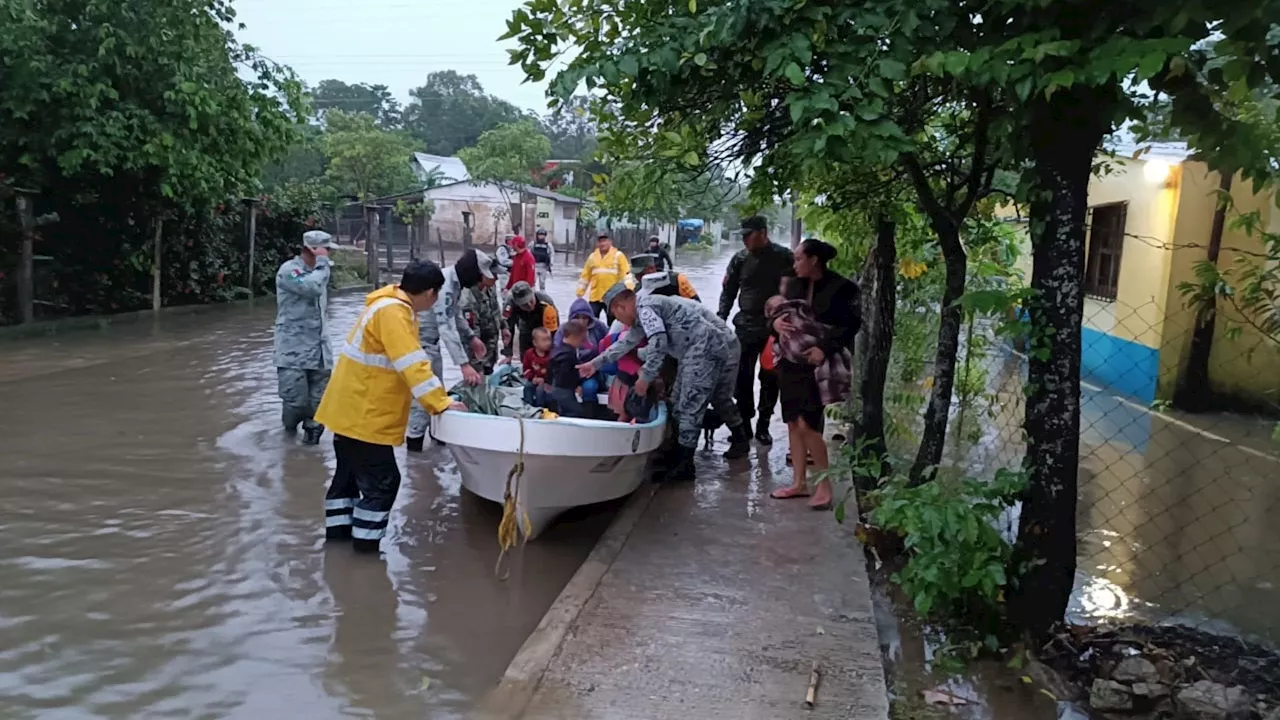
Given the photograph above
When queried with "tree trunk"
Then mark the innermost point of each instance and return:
(1194, 392)
(934, 436)
(879, 295)
(1065, 132)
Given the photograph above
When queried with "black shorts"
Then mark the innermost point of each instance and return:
(801, 399)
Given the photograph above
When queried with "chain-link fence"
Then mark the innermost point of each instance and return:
(1178, 513)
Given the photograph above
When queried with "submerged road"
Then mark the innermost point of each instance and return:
(163, 541)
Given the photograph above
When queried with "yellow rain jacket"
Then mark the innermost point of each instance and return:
(380, 369)
(601, 273)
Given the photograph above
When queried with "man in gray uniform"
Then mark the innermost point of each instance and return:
(303, 357)
(445, 324)
(707, 352)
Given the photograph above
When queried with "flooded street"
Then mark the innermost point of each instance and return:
(164, 552)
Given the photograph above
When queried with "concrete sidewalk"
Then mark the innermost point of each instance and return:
(707, 601)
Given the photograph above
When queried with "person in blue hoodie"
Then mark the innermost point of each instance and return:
(590, 347)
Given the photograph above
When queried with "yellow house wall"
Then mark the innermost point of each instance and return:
(1248, 366)
(1138, 311)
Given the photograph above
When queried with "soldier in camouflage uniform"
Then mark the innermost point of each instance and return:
(707, 352)
(754, 275)
(483, 313)
(303, 357)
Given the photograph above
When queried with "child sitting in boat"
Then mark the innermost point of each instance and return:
(568, 390)
(535, 363)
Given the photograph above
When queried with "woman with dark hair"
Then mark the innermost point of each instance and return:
(836, 303)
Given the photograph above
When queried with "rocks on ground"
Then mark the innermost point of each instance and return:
(1168, 672)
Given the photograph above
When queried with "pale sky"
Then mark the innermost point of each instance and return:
(392, 42)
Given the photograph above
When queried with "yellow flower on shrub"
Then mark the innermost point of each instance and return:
(911, 269)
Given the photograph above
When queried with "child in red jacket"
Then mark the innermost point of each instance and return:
(535, 363)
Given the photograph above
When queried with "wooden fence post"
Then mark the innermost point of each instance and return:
(252, 204)
(155, 266)
(26, 261)
(371, 244)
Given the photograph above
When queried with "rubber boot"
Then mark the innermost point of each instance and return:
(312, 435)
(290, 420)
(414, 444)
(739, 443)
(369, 547)
(681, 467)
(340, 532)
(762, 431)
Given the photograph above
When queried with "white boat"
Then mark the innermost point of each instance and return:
(568, 462)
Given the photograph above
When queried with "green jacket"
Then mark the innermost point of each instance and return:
(751, 279)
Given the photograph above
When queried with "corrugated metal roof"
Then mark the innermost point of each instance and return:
(551, 195)
(452, 167)
(1124, 145)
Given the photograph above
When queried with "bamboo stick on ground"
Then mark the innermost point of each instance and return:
(811, 695)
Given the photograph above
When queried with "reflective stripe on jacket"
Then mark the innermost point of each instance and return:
(601, 273)
(381, 368)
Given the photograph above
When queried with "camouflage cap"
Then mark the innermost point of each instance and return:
(522, 293)
(612, 293)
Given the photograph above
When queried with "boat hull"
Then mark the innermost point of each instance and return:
(567, 462)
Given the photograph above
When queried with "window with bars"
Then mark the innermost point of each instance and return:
(1106, 246)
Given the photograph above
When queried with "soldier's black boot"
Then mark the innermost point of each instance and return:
(680, 468)
(762, 431)
(739, 443)
(312, 435)
(414, 444)
(290, 420)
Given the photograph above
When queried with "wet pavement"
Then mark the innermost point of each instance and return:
(163, 541)
(719, 605)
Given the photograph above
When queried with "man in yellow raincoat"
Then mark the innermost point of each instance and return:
(380, 367)
(602, 270)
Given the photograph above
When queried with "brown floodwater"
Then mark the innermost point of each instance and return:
(164, 551)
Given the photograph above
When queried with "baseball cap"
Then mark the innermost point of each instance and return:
(315, 239)
(522, 293)
(612, 293)
(486, 264)
(755, 223)
(602, 236)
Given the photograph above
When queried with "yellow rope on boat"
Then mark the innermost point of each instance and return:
(507, 529)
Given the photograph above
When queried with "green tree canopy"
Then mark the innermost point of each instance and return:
(510, 154)
(373, 100)
(451, 111)
(150, 90)
(364, 159)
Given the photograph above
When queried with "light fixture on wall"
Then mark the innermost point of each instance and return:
(1157, 172)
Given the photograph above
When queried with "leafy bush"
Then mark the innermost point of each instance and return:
(956, 555)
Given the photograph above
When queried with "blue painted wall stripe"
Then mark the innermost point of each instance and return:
(1123, 366)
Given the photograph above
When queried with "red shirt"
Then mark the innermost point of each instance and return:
(535, 365)
(522, 265)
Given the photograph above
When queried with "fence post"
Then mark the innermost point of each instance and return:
(371, 244)
(252, 204)
(155, 265)
(26, 261)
